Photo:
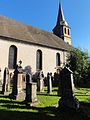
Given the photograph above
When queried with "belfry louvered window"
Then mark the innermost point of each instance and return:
(12, 57)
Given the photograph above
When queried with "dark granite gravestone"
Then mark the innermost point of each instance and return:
(59, 92)
(49, 85)
(27, 87)
(17, 91)
(57, 76)
(40, 82)
(67, 90)
(31, 91)
(6, 82)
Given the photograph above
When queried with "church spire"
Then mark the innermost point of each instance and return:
(62, 28)
(61, 19)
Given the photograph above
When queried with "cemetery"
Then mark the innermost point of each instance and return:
(25, 98)
(42, 76)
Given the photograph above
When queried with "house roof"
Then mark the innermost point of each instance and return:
(23, 32)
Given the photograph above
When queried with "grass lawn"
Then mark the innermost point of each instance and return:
(16, 110)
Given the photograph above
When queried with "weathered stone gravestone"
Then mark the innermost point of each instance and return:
(6, 82)
(17, 91)
(67, 90)
(40, 82)
(49, 85)
(31, 90)
(0, 81)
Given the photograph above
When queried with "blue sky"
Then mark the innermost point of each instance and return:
(43, 14)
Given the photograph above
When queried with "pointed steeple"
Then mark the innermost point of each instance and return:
(61, 20)
(62, 28)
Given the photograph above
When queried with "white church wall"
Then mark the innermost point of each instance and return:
(27, 53)
(3, 56)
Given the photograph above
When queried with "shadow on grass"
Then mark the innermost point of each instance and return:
(85, 105)
(4, 96)
(25, 112)
(54, 90)
(47, 94)
(47, 113)
(9, 101)
(82, 95)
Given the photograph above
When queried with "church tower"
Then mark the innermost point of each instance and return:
(62, 28)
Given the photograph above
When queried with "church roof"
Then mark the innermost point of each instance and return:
(22, 32)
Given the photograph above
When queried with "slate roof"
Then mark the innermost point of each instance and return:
(22, 32)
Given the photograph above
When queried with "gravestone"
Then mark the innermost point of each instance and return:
(24, 80)
(67, 90)
(28, 78)
(57, 76)
(31, 91)
(17, 91)
(59, 92)
(0, 81)
(6, 82)
(49, 85)
(0, 77)
(40, 82)
(27, 87)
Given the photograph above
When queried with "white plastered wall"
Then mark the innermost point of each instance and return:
(27, 53)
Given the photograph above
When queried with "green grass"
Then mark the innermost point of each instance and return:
(46, 110)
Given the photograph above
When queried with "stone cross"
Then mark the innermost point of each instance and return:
(49, 86)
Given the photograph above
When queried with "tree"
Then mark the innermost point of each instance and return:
(78, 63)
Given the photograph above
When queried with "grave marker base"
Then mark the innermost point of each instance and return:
(70, 102)
(20, 96)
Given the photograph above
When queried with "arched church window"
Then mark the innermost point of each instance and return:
(57, 59)
(68, 32)
(12, 57)
(65, 31)
(39, 60)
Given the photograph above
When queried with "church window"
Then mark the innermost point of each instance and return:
(67, 42)
(68, 32)
(65, 30)
(39, 60)
(12, 57)
(57, 59)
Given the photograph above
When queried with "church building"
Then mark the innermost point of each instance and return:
(38, 49)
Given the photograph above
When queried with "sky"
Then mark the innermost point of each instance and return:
(43, 14)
